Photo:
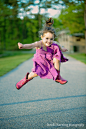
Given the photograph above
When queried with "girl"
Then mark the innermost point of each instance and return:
(48, 57)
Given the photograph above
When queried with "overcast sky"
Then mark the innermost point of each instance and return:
(52, 12)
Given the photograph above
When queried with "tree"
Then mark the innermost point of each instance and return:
(82, 2)
(85, 26)
(73, 18)
(8, 11)
(14, 29)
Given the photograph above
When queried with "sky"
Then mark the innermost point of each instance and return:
(51, 12)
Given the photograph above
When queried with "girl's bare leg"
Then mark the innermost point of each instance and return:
(56, 63)
(27, 78)
(32, 75)
(57, 67)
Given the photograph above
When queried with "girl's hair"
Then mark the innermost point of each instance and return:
(48, 28)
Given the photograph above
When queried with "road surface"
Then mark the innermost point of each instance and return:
(43, 103)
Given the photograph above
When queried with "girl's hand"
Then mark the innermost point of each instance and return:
(20, 45)
(64, 49)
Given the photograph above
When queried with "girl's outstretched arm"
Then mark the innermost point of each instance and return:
(29, 46)
(61, 48)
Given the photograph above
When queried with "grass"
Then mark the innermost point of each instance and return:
(12, 60)
(79, 56)
(12, 53)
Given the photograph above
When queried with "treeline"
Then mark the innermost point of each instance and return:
(17, 30)
(73, 18)
(14, 28)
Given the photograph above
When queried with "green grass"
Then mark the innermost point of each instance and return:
(10, 62)
(79, 56)
(12, 53)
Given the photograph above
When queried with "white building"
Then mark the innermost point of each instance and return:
(74, 43)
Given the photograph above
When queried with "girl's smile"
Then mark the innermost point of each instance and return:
(47, 39)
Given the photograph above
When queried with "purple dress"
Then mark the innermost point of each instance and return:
(43, 61)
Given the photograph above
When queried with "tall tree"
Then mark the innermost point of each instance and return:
(85, 26)
(9, 10)
(72, 2)
(73, 18)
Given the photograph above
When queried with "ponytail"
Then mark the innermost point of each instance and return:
(48, 28)
(49, 22)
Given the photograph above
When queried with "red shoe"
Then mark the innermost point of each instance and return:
(60, 79)
(22, 82)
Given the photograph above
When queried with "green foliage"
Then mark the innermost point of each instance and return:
(13, 29)
(72, 17)
(58, 24)
(11, 62)
(80, 57)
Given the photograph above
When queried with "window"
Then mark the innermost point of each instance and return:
(75, 48)
(78, 39)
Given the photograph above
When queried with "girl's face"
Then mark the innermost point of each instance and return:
(47, 38)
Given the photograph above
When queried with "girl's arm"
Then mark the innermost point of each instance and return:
(61, 48)
(29, 46)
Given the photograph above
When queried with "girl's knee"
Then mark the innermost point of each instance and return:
(55, 60)
(32, 74)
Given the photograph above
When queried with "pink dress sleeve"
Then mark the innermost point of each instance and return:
(58, 54)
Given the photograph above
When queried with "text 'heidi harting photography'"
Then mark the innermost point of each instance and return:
(65, 125)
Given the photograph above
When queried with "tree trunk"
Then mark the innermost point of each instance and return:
(39, 17)
(85, 26)
(4, 33)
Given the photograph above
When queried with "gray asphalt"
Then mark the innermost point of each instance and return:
(43, 103)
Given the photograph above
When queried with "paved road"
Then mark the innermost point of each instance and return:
(43, 103)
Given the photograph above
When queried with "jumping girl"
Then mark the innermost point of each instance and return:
(46, 61)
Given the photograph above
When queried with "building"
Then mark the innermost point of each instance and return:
(74, 43)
